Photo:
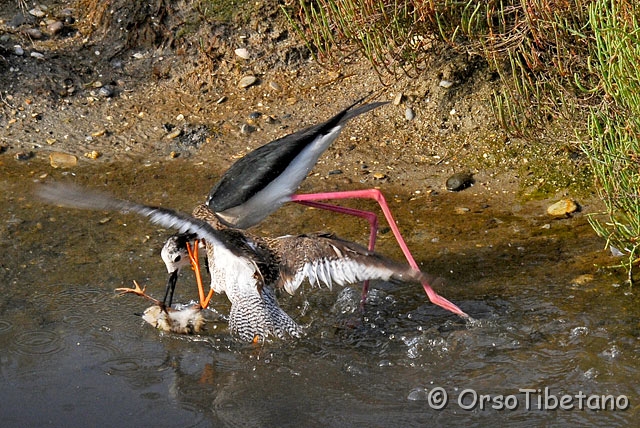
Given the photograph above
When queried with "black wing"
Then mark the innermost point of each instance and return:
(256, 170)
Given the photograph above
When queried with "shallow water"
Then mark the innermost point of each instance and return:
(71, 353)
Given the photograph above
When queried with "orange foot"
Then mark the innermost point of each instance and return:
(138, 291)
(195, 265)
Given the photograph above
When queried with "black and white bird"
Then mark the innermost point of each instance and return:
(262, 181)
(248, 269)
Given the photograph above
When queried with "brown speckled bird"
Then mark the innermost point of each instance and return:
(188, 320)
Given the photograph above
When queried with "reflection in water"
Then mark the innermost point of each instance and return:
(70, 348)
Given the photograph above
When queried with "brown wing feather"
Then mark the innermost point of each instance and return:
(325, 258)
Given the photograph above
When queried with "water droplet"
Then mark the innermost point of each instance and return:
(418, 394)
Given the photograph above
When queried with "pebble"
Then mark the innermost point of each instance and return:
(275, 86)
(93, 154)
(242, 53)
(37, 12)
(62, 160)
(247, 81)
(459, 181)
(23, 156)
(562, 208)
(173, 134)
(34, 33)
(379, 176)
(17, 49)
(37, 55)
(55, 27)
(462, 210)
(409, 114)
(247, 129)
(106, 91)
(18, 20)
(398, 99)
(445, 84)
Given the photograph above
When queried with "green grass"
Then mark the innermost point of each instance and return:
(614, 125)
(386, 32)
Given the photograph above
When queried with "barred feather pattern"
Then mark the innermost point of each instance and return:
(326, 259)
(258, 314)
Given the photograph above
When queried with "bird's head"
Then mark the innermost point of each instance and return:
(174, 252)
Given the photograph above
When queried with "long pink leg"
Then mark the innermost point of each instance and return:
(376, 195)
(372, 218)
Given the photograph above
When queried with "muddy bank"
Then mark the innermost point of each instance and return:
(174, 98)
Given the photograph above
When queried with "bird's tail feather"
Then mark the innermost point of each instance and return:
(259, 315)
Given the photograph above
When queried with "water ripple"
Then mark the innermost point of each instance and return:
(5, 326)
(81, 301)
(38, 342)
(123, 364)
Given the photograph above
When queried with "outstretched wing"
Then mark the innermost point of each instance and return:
(72, 196)
(325, 258)
(259, 168)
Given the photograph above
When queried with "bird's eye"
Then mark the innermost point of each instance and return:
(177, 258)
